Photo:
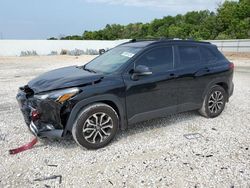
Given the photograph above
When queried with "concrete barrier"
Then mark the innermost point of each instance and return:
(45, 47)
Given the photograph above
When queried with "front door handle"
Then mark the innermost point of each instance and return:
(206, 69)
(172, 75)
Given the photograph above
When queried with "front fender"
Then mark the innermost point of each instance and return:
(120, 104)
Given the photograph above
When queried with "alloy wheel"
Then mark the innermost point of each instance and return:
(215, 102)
(97, 128)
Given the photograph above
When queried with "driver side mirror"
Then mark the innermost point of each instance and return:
(140, 70)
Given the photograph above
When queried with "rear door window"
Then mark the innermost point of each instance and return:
(188, 56)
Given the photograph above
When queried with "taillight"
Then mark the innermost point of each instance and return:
(231, 65)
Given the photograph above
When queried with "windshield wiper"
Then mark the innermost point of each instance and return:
(89, 70)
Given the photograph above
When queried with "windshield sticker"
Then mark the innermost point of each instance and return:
(127, 54)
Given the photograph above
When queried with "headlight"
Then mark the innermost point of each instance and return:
(59, 95)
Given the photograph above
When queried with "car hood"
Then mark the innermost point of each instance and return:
(63, 78)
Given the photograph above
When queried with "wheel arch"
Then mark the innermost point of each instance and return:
(224, 85)
(111, 100)
(219, 82)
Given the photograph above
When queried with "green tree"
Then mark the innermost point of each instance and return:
(231, 21)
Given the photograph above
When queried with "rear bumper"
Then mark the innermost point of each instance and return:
(44, 127)
(231, 90)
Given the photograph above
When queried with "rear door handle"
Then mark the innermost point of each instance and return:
(202, 71)
(206, 69)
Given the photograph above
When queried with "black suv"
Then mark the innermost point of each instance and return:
(133, 82)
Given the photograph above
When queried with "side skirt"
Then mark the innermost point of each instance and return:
(152, 114)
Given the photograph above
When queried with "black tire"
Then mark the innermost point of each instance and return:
(209, 108)
(89, 117)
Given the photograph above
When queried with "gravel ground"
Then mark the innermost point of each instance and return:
(149, 154)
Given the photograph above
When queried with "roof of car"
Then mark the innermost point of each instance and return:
(140, 43)
(145, 43)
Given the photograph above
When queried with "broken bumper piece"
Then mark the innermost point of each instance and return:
(45, 132)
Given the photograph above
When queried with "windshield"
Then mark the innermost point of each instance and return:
(112, 60)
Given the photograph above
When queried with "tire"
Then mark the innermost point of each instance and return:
(214, 102)
(95, 126)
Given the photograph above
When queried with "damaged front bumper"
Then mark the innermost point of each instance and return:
(49, 133)
(43, 117)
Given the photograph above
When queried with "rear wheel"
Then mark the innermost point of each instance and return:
(96, 126)
(214, 102)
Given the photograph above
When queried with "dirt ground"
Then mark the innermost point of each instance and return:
(239, 59)
(155, 153)
(237, 56)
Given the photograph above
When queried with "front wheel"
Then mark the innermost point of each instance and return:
(96, 126)
(214, 102)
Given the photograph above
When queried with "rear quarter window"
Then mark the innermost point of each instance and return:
(210, 55)
(218, 54)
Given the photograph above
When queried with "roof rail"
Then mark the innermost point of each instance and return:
(192, 39)
(141, 40)
(162, 39)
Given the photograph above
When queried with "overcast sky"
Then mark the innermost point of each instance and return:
(41, 19)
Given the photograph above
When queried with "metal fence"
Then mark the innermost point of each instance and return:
(241, 45)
